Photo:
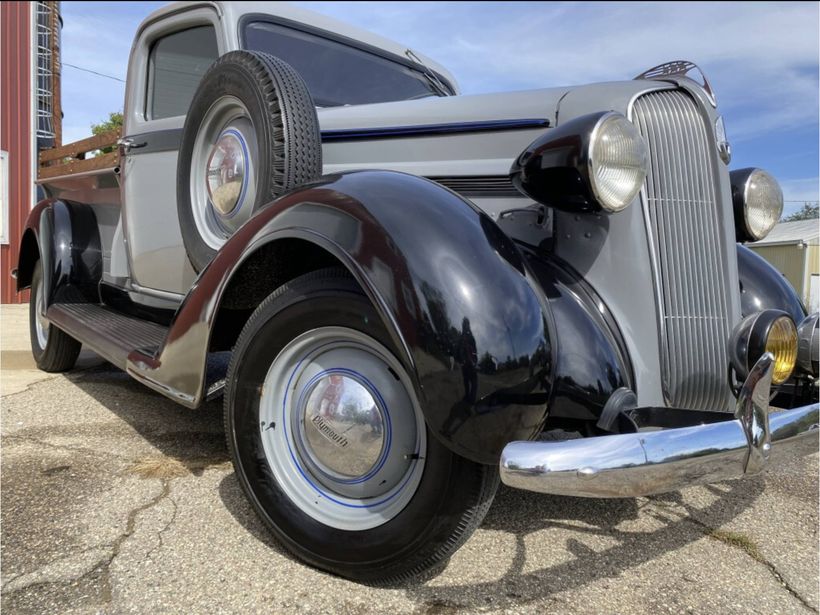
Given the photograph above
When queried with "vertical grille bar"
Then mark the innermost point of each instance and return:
(680, 197)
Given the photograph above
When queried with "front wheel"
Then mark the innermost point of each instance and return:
(329, 442)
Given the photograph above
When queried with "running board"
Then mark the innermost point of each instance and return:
(111, 334)
(115, 336)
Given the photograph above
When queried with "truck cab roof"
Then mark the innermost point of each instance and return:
(233, 12)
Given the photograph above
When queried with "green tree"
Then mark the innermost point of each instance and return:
(809, 211)
(114, 121)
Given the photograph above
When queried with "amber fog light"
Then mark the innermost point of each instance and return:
(782, 343)
(767, 331)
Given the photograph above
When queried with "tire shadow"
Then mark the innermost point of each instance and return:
(196, 438)
(521, 514)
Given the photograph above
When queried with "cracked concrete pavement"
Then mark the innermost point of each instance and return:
(116, 500)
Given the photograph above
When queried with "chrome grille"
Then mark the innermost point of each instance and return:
(683, 216)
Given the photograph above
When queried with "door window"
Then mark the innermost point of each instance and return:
(176, 64)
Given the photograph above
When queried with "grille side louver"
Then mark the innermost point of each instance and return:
(480, 185)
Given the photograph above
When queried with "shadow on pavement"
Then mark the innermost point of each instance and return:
(521, 513)
(197, 436)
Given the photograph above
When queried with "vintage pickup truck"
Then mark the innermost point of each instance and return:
(405, 294)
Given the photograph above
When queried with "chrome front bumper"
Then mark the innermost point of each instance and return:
(643, 463)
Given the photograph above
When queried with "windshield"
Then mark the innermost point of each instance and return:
(337, 74)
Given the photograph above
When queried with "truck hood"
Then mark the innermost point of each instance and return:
(478, 135)
(434, 137)
(528, 104)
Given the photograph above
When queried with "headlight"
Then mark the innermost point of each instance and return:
(617, 162)
(758, 203)
(590, 163)
(767, 331)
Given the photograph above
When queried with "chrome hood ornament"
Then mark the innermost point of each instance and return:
(681, 68)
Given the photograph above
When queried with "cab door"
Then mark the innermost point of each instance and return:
(168, 61)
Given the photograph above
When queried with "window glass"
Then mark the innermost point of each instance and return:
(337, 74)
(176, 65)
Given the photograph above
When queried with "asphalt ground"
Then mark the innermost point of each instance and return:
(116, 500)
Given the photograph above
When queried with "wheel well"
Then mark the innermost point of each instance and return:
(29, 255)
(262, 273)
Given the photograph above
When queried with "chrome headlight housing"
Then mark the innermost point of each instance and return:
(808, 344)
(758, 203)
(591, 163)
(617, 162)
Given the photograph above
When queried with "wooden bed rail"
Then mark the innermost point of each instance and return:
(71, 158)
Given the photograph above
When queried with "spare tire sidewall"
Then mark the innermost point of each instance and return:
(234, 76)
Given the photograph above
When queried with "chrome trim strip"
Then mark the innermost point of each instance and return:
(643, 463)
(169, 139)
(153, 292)
(426, 130)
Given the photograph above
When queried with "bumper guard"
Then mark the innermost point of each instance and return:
(643, 463)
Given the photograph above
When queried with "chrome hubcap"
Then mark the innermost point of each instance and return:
(342, 425)
(223, 180)
(341, 428)
(41, 323)
(226, 172)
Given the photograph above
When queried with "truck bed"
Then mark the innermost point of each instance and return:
(73, 158)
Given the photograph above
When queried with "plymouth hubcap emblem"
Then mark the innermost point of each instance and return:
(343, 425)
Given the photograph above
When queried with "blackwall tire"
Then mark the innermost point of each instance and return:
(250, 136)
(54, 350)
(303, 331)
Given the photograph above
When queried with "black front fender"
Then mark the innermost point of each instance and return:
(453, 290)
(592, 360)
(762, 287)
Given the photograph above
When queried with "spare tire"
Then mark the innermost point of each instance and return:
(250, 136)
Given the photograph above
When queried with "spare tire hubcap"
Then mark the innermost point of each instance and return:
(226, 171)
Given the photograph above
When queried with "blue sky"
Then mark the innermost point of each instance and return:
(762, 59)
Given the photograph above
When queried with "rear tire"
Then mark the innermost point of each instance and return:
(355, 518)
(54, 350)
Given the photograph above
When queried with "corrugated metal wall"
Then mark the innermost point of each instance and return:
(15, 132)
(814, 259)
(813, 266)
(788, 260)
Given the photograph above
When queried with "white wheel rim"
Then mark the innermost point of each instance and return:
(365, 486)
(41, 324)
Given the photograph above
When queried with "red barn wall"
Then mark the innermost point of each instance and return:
(15, 133)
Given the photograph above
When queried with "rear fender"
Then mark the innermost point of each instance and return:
(64, 236)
